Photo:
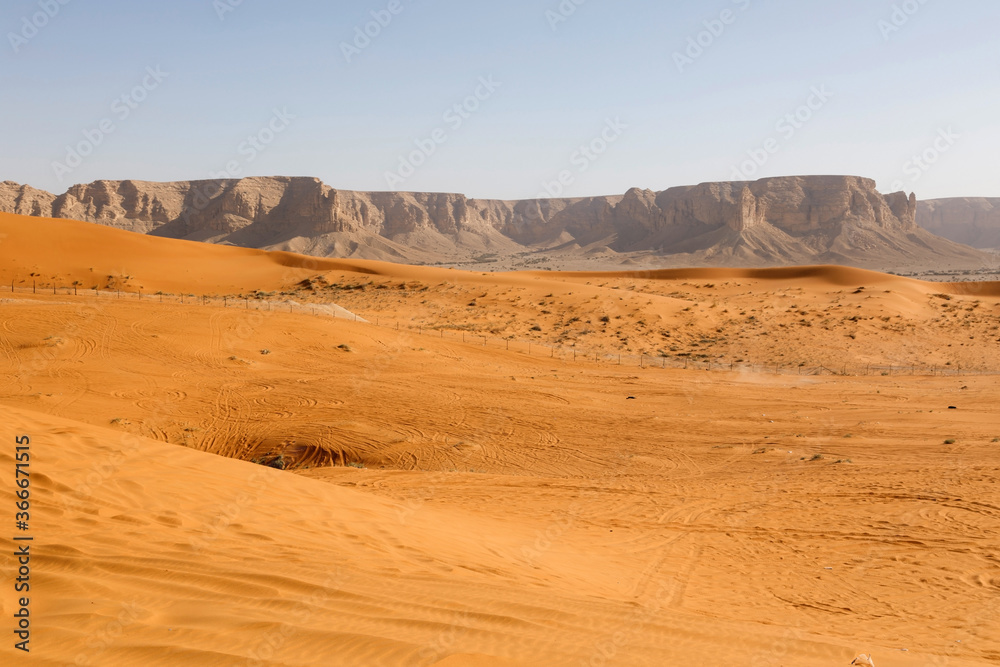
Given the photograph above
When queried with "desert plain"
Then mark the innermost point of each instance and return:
(242, 457)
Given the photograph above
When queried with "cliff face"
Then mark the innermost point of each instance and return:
(770, 221)
(25, 200)
(974, 221)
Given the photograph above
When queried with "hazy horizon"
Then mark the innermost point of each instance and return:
(569, 98)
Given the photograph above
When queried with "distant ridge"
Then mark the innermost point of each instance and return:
(770, 222)
(974, 221)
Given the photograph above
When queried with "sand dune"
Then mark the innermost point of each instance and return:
(829, 275)
(451, 503)
(811, 316)
(63, 251)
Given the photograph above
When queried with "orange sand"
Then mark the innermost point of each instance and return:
(454, 504)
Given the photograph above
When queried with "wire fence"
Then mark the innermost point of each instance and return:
(510, 344)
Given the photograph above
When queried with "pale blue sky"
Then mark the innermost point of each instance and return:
(893, 94)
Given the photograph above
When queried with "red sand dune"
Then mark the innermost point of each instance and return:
(461, 504)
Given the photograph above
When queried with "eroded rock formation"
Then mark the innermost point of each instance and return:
(806, 219)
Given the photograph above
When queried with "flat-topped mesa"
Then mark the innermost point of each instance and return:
(971, 220)
(797, 204)
(772, 220)
(806, 204)
(802, 204)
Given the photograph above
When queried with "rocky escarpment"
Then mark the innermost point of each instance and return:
(974, 221)
(839, 219)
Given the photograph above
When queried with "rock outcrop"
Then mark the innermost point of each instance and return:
(814, 219)
(974, 221)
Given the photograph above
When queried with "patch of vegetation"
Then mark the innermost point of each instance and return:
(949, 441)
